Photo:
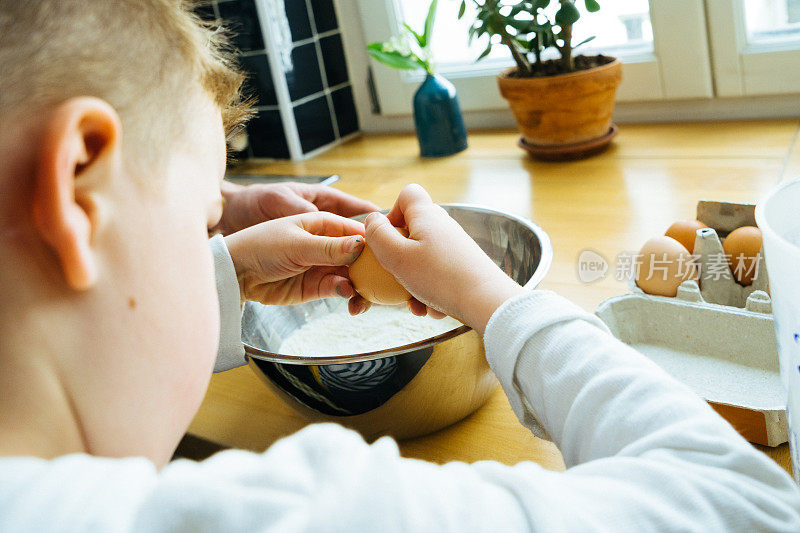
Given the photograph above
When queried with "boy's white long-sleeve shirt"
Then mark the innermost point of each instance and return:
(643, 453)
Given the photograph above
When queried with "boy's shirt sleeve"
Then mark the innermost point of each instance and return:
(230, 353)
(643, 452)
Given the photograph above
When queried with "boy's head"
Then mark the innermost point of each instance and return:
(111, 154)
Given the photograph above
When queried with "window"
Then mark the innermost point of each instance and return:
(618, 27)
(772, 20)
(644, 34)
(756, 46)
(671, 49)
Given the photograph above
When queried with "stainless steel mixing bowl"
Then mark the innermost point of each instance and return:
(407, 391)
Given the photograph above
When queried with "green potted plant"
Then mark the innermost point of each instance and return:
(563, 105)
(437, 114)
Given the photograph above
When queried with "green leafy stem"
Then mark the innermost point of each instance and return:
(410, 50)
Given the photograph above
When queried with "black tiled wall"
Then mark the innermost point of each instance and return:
(299, 23)
(265, 133)
(319, 87)
(259, 81)
(305, 79)
(344, 108)
(242, 18)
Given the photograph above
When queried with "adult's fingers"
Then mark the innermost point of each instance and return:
(413, 195)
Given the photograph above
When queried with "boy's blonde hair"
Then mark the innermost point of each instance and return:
(145, 57)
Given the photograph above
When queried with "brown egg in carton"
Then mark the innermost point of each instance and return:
(716, 336)
(717, 283)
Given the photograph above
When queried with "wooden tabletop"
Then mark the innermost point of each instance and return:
(612, 203)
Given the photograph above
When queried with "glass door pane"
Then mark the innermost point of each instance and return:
(772, 20)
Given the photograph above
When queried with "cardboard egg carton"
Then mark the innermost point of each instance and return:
(717, 283)
(717, 336)
(727, 355)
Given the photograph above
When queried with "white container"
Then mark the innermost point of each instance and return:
(726, 354)
(778, 216)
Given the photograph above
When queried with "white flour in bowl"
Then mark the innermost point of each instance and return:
(380, 328)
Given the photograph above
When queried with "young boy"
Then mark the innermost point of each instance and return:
(112, 154)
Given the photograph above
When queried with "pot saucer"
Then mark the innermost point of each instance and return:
(567, 152)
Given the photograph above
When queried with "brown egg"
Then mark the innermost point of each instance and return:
(664, 264)
(685, 232)
(742, 247)
(373, 282)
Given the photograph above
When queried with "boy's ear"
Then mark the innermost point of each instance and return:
(77, 154)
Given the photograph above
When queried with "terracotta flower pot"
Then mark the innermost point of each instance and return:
(566, 109)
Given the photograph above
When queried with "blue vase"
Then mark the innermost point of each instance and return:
(440, 126)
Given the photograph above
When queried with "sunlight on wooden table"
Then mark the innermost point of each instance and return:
(652, 175)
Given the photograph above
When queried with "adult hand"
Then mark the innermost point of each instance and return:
(298, 258)
(247, 206)
(439, 264)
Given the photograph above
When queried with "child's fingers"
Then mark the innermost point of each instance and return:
(321, 284)
(329, 199)
(329, 225)
(387, 243)
(417, 308)
(412, 195)
(358, 305)
(327, 251)
(288, 201)
(420, 309)
(435, 314)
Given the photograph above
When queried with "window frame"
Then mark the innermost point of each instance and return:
(749, 69)
(647, 76)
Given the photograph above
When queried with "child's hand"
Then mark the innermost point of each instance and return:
(439, 264)
(249, 205)
(296, 259)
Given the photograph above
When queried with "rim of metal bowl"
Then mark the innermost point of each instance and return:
(541, 271)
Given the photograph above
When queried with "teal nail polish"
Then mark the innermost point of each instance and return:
(355, 246)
